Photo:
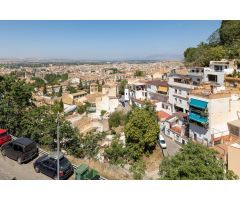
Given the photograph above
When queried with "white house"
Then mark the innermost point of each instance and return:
(211, 108)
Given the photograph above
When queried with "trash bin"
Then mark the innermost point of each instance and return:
(83, 172)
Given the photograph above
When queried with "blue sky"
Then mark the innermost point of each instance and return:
(101, 39)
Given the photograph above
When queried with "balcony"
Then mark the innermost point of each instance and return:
(203, 113)
(198, 118)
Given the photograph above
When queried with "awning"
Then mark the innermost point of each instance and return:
(198, 103)
(162, 89)
(197, 118)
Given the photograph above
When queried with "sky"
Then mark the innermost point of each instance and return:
(102, 40)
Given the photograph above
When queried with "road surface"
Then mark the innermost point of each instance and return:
(10, 169)
(172, 147)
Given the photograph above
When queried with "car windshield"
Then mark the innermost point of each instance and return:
(64, 163)
(162, 141)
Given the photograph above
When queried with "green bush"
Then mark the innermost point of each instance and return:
(138, 169)
(116, 119)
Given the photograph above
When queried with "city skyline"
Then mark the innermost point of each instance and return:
(102, 40)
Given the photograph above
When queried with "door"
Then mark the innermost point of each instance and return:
(52, 169)
(45, 168)
(17, 151)
(195, 136)
(9, 151)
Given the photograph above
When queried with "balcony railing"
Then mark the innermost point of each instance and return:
(203, 113)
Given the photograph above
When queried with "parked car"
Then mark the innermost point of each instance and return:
(162, 142)
(4, 137)
(22, 150)
(47, 164)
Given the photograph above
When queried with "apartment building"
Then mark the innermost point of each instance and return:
(179, 88)
(226, 66)
(211, 107)
(157, 91)
(136, 93)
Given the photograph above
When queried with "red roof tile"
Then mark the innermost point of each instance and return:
(162, 115)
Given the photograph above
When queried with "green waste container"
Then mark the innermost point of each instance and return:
(83, 172)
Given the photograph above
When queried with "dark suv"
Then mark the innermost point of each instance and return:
(21, 150)
(47, 164)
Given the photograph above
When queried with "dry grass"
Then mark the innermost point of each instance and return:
(152, 164)
(106, 170)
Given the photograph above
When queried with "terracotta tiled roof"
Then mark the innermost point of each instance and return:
(162, 115)
(179, 115)
(176, 129)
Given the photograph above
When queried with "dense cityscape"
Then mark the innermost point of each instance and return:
(139, 119)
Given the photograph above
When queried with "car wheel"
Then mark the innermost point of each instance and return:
(36, 168)
(19, 160)
(3, 152)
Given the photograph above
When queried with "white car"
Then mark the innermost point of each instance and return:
(162, 142)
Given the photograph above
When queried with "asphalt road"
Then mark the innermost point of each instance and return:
(10, 168)
(172, 147)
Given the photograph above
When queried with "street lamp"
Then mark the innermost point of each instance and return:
(58, 146)
(66, 111)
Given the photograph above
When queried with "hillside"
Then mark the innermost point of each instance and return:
(223, 43)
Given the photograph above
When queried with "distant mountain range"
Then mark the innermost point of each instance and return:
(151, 58)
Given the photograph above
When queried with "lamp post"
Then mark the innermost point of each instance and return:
(66, 111)
(58, 146)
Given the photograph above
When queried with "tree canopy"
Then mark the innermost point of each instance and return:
(141, 130)
(15, 99)
(194, 162)
(222, 43)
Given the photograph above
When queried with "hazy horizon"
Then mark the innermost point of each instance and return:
(101, 40)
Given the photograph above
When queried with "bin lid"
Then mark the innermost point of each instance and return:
(82, 168)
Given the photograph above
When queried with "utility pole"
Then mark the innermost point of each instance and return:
(58, 146)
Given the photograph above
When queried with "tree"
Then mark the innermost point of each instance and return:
(71, 89)
(116, 153)
(15, 99)
(81, 109)
(139, 73)
(89, 144)
(138, 169)
(40, 124)
(141, 130)
(38, 82)
(80, 85)
(44, 89)
(122, 86)
(193, 162)
(53, 91)
(103, 112)
(60, 91)
(116, 119)
(229, 31)
(222, 43)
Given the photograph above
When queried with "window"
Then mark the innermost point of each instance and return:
(180, 101)
(175, 90)
(180, 91)
(17, 148)
(46, 162)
